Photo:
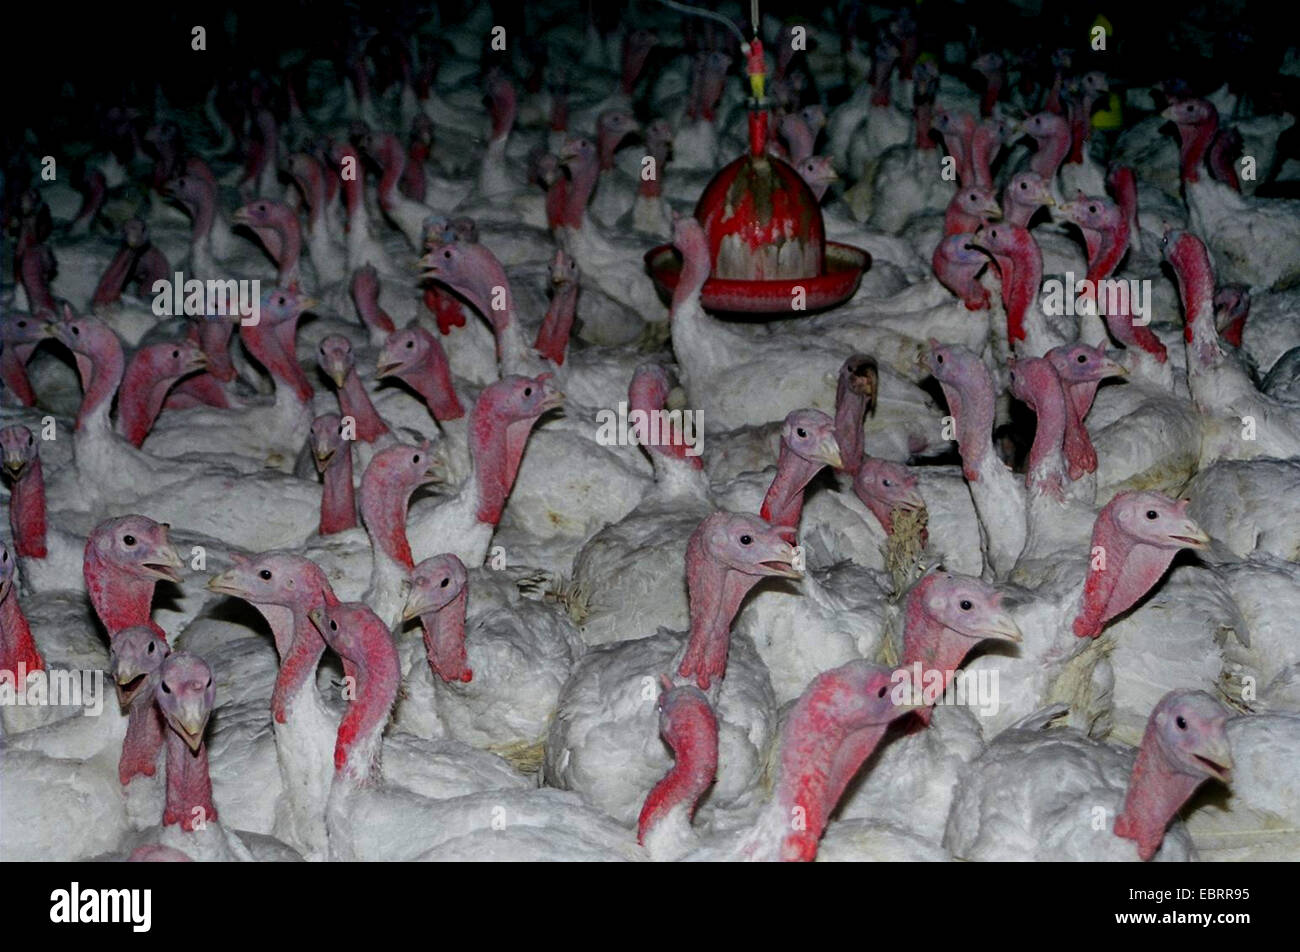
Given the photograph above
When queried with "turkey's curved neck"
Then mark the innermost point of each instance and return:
(338, 510)
(1120, 572)
(672, 801)
(120, 599)
(1022, 273)
(27, 511)
(1046, 464)
(378, 676)
(714, 594)
(431, 379)
(16, 643)
(1156, 791)
(553, 336)
(973, 406)
(1193, 143)
(101, 375)
(189, 785)
(444, 640)
(783, 503)
(1051, 153)
(355, 402)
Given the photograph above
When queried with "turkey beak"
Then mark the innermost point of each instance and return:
(14, 466)
(828, 452)
(1215, 757)
(323, 455)
(418, 603)
(240, 217)
(1003, 628)
(1114, 368)
(1192, 536)
(191, 721)
(991, 209)
(911, 500)
(308, 304)
(166, 563)
(317, 617)
(224, 584)
(338, 375)
(781, 565)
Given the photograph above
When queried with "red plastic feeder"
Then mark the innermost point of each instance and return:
(766, 237)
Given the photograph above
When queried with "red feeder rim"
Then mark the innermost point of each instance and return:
(766, 235)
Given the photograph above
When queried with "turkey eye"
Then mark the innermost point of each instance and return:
(1023, 186)
(1152, 515)
(416, 459)
(265, 575)
(279, 300)
(30, 440)
(76, 330)
(1092, 209)
(965, 604)
(1083, 359)
(446, 253)
(801, 432)
(939, 358)
(166, 689)
(129, 539)
(176, 353)
(151, 647)
(886, 482)
(1181, 722)
(334, 626)
(881, 692)
(22, 323)
(209, 684)
(443, 583)
(528, 391)
(410, 345)
(746, 539)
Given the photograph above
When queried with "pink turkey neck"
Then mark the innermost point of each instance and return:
(35, 280)
(189, 786)
(1194, 141)
(960, 277)
(275, 349)
(101, 376)
(553, 336)
(1156, 791)
(819, 758)
(283, 238)
(1052, 149)
(120, 599)
(1196, 288)
(27, 511)
(16, 643)
(986, 140)
(144, 735)
(585, 171)
(430, 377)
(850, 412)
(378, 677)
(384, 501)
(783, 503)
(338, 508)
(394, 164)
(696, 267)
(13, 371)
(444, 640)
(1022, 273)
(365, 295)
(992, 91)
(648, 393)
(355, 402)
(115, 275)
(496, 449)
(973, 404)
(1045, 468)
(929, 642)
(1130, 570)
(714, 592)
(695, 764)
(924, 112)
(141, 396)
(94, 191)
(297, 640)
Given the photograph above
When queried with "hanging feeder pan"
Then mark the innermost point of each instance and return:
(839, 281)
(766, 239)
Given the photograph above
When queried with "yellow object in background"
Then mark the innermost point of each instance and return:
(1102, 22)
(1112, 117)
